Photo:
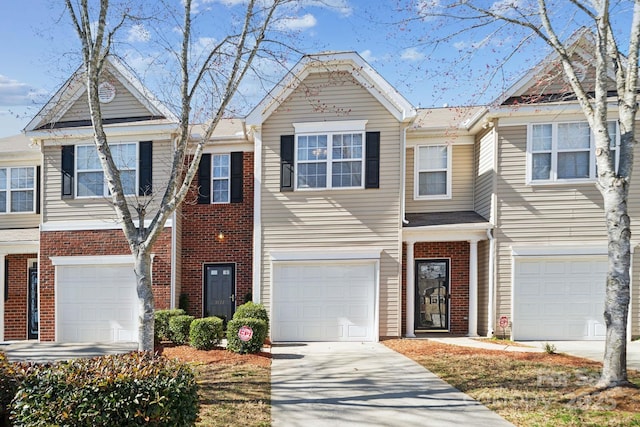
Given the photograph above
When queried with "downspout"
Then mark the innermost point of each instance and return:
(257, 224)
(492, 294)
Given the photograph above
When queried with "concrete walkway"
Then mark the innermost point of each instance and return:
(364, 384)
(33, 351)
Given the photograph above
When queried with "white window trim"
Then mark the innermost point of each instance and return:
(8, 190)
(329, 129)
(228, 179)
(554, 155)
(105, 190)
(416, 173)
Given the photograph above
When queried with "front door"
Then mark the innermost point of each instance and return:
(432, 295)
(219, 291)
(32, 306)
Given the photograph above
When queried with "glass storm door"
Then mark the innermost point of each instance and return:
(432, 295)
(32, 309)
(219, 295)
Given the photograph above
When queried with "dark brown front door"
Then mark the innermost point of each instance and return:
(219, 291)
(432, 295)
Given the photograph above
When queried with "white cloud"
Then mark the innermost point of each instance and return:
(340, 6)
(412, 54)
(367, 55)
(14, 93)
(297, 23)
(138, 33)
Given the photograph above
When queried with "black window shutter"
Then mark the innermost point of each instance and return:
(372, 160)
(37, 192)
(204, 180)
(287, 143)
(68, 154)
(145, 172)
(236, 177)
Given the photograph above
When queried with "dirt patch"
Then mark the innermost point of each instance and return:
(217, 355)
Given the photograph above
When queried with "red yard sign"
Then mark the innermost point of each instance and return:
(245, 333)
(504, 322)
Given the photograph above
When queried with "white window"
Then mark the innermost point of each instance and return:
(17, 189)
(221, 177)
(90, 177)
(433, 172)
(563, 152)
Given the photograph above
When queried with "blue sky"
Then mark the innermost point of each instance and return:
(39, 51)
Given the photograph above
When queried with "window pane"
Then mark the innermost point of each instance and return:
(348, 146)
(3, 179)
(346, 174)
(128, 179)
(541, 166)
(574, 136)
(312, 147)
(221, 166)
(573, 165)
(124, 155)
(21, 178)
(3, 201)
(87, 157)
(432, 157)
(220, 191)
(90, 184)
(432, 183)
(312, 175)
(22, 201)
(613, 133)
(541, 137)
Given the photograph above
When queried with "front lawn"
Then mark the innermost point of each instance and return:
(529, 389)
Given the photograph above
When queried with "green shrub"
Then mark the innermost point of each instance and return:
(204, 334)
(11, 375)
(118, 390)
(253, 311)
(161, 324)
(179, 327)
(254, 345)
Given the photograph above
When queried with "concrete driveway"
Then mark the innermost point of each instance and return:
(593, 350)
(364, 384)
(33, 351)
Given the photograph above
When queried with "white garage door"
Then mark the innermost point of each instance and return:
(96, 303)
(323, 302)
(559, 298)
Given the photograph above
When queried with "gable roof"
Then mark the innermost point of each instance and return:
(580, 45)
(75, 87)
(351, 62)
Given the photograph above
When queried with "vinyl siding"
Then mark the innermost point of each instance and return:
(367, 218)
(485, 174)
(461, 183)
(123, 105)
(483, 286)
(57, 209)
(537, 215)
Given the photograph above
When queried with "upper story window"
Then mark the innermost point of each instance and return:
(564, 152)
(221, 178)
(433, 172)
(329, 154)
(90, 177)
(17, 189)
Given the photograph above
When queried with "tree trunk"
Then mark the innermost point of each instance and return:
(614, 368)
(142, 267)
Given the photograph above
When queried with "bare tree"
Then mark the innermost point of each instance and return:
(538, 22)
(231, 57)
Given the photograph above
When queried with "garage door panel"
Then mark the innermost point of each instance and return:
(331, 302)
(96, 303)
(559, 298)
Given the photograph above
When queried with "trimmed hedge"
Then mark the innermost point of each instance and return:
(179, 327)
(119, 390)
(204, 334)
(253, 311)
(161, 325)
(11, 375)
(254, 345)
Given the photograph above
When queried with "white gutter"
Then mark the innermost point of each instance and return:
(492, 294)
(257, 224)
